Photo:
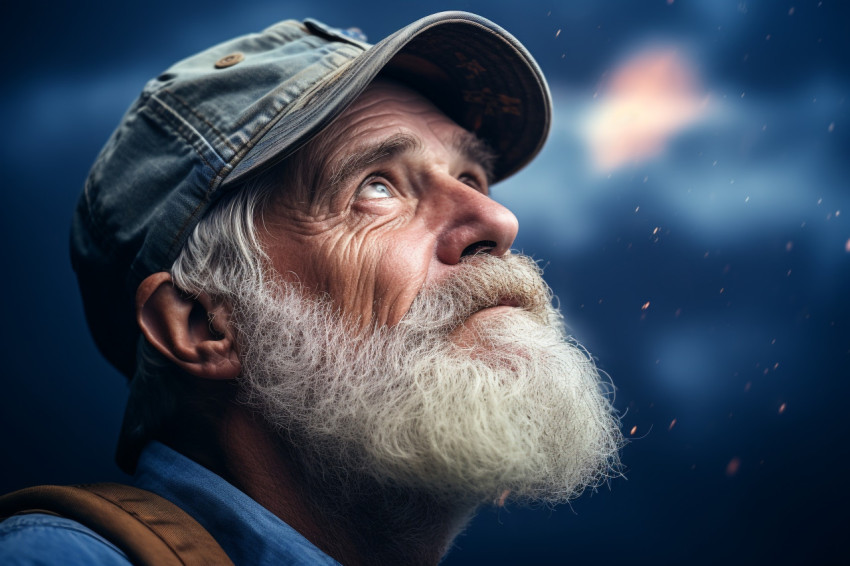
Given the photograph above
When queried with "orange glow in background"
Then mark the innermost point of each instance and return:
(646, 101)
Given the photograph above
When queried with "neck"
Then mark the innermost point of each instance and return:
(360, 522)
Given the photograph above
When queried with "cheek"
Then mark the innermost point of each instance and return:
(400, 276)
(371, 270)
(375, 276)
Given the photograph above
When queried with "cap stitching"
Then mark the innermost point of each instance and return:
(286, 31)
(182, 128)
(222, 137)
(211, 187)
(183, 125)
(318, 85)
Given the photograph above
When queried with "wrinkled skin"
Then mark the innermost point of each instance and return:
(402, 221)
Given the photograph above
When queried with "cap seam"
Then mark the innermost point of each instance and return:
(182, 125)
(286, 30)
(316, 27)
(211, 187)
(215, 130)
(317, 86)
(180, 130)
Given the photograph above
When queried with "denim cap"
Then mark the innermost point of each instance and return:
(216, 119)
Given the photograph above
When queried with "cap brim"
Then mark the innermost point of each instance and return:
(473, 70)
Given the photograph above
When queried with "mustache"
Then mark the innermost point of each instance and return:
(479, 282)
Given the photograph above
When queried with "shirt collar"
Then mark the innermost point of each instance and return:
(248, 532)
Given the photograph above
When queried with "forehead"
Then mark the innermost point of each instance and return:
(386, 110)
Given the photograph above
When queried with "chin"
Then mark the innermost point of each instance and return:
(461, 406)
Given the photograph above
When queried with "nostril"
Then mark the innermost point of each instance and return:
(482, 247)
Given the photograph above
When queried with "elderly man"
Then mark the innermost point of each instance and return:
(289, 245)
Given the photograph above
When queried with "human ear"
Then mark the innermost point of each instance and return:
(190, 331)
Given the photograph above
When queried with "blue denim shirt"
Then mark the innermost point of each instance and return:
(247, 531)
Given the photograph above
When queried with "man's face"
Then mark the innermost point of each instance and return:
(399, 194)
(372, 224)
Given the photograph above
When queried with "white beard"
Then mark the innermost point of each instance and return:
(519, 408)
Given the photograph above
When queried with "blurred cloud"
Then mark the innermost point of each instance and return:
(648, 99)
(737, 167)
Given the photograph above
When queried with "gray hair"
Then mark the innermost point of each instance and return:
(224, 247)
(223, 251)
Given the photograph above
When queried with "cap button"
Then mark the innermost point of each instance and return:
(229, 60)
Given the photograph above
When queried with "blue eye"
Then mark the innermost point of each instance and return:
(375, 189)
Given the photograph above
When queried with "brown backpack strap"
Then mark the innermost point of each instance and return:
(149, 529)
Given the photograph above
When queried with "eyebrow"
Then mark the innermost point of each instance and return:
(362, 158)
(467, 144)
(476, 150)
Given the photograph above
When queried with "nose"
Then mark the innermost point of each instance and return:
(472, 223)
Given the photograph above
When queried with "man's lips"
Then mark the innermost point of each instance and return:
(502, 304)
(466, 334)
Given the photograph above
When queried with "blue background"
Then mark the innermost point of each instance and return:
(733, 381)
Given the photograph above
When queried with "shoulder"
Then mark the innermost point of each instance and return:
(39, 539)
